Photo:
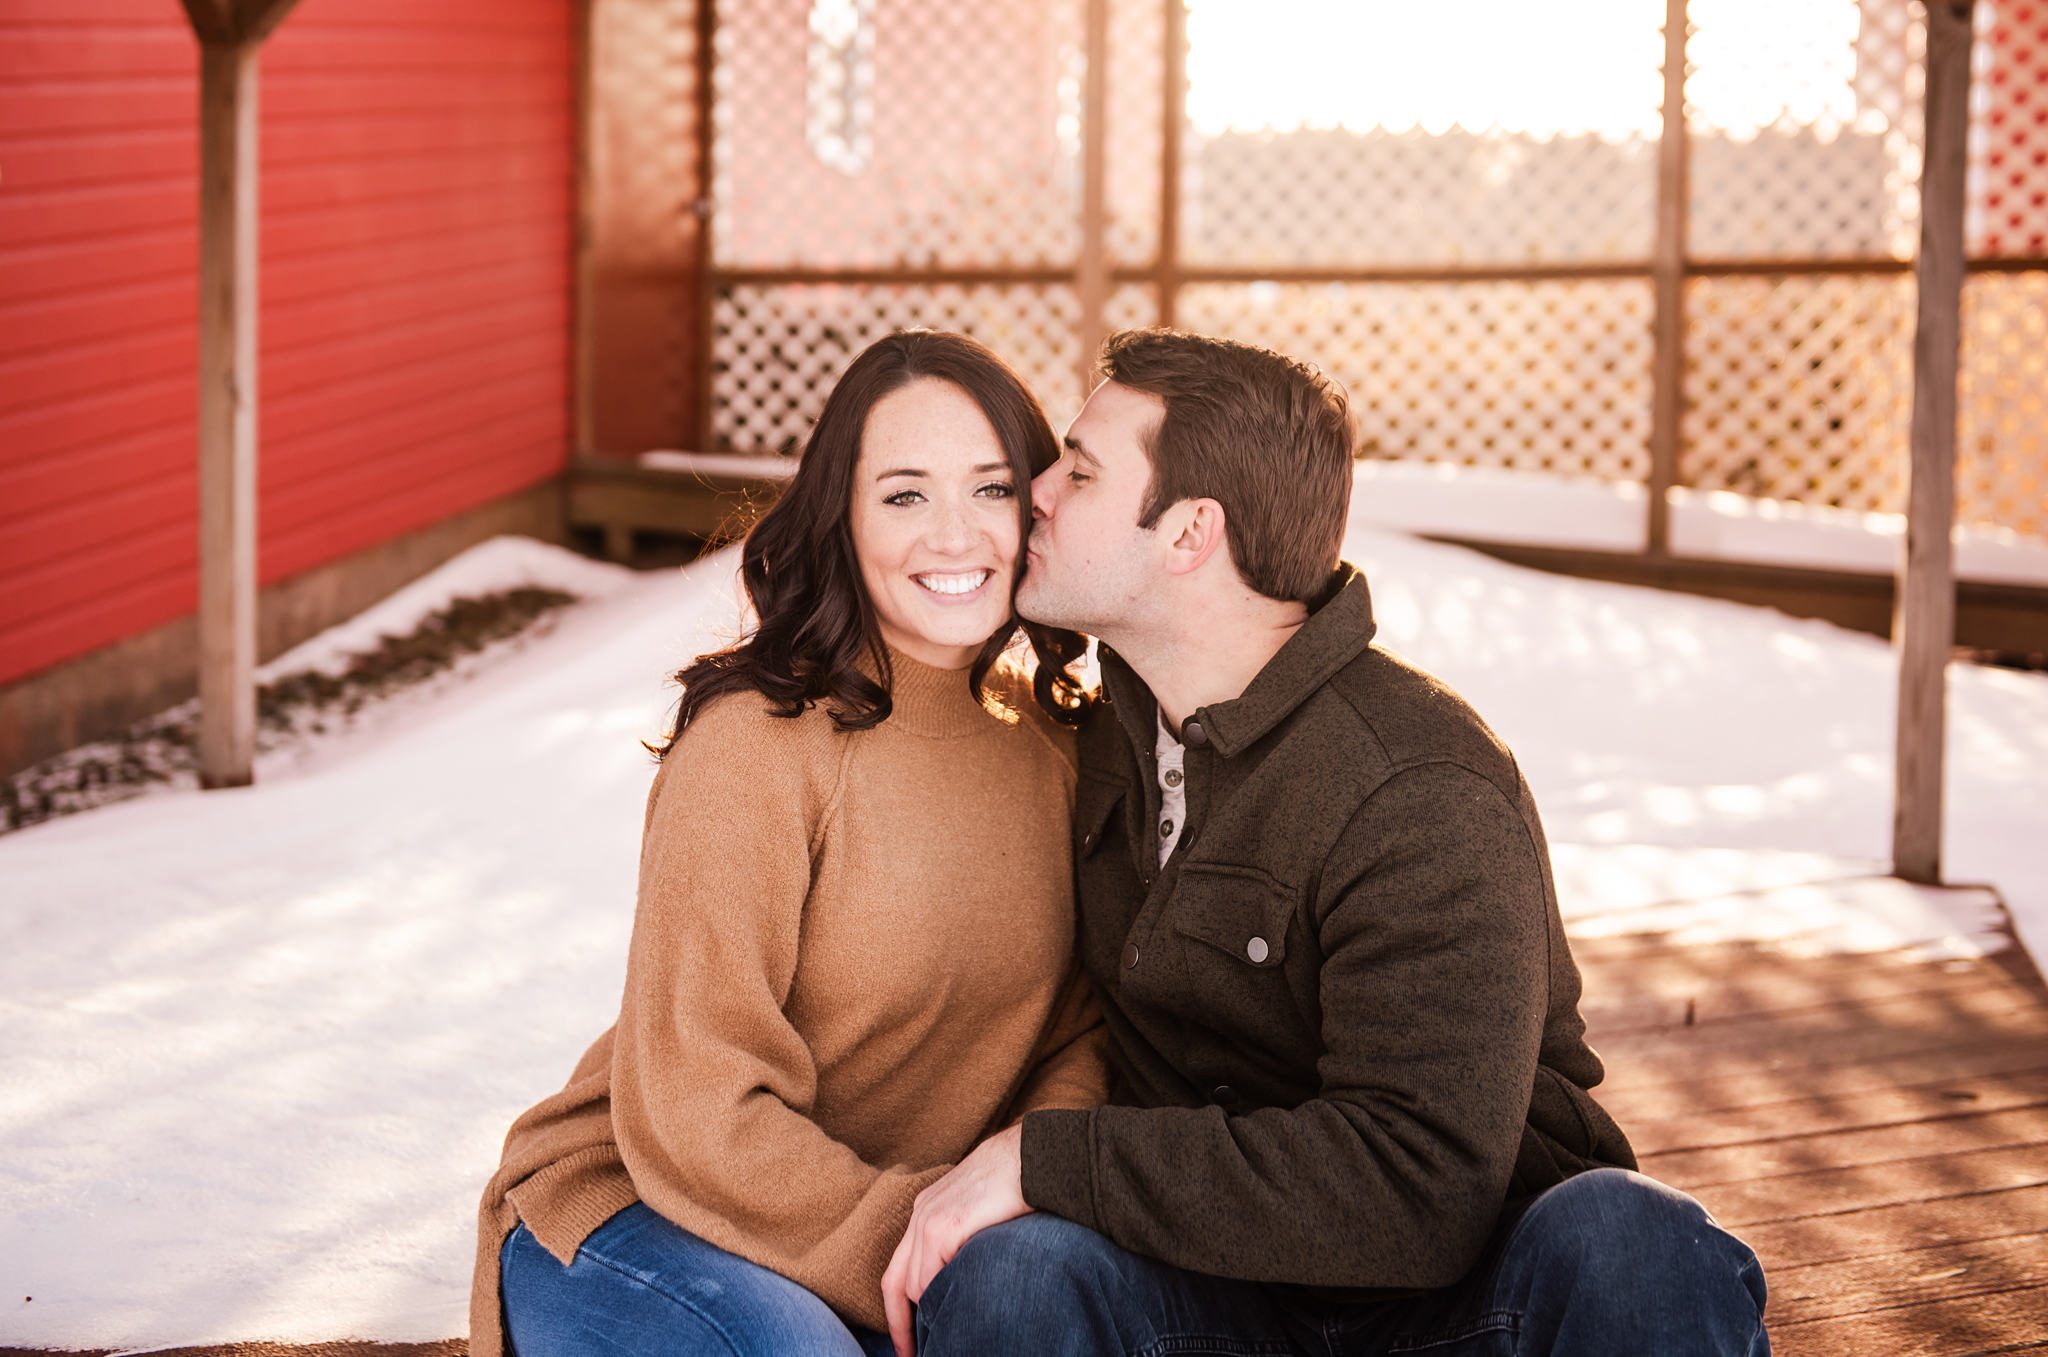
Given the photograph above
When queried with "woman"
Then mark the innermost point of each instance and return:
(852, 954)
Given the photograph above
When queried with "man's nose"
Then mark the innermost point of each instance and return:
(1043, 487)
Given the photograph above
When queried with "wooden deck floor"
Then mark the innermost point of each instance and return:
(1876, 1127)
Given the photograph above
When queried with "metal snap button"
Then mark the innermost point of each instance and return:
(1223, 1095)
(1192, 733)
(1130, 955)
(1256, 949)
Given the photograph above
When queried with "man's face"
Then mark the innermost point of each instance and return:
(1091, 567)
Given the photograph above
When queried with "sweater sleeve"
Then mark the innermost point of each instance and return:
(712, 1087)
(1070, 1065)
(1432, 989)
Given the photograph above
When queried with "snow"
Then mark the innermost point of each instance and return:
(261, 1046)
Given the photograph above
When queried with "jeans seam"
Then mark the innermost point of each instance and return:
(685, 1302)
(1493, 1321)
(1192, 1343)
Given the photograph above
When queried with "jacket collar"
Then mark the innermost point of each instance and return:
(1340, 625)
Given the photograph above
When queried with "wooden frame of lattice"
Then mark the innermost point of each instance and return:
(1707, 330)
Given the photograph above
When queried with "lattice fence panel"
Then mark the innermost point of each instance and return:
(1338, 198)
(1547, 376)
(1799, 387)
(777, 351)
(912, 133)
(2009, 131)
(2002, 441)
(1806, 129)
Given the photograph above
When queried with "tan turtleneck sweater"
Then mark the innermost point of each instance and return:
(852, 959)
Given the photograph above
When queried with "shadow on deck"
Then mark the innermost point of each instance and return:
(1876, 1127)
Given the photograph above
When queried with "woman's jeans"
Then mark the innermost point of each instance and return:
(642, 1287)
(1609, 1262)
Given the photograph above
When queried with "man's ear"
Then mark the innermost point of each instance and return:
(1192, 531)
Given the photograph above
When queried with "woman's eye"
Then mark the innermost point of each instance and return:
(903, 497)
(996, 490)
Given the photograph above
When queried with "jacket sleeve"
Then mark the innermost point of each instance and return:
(1432, 988)
(712, 1088)
(1070, 1065)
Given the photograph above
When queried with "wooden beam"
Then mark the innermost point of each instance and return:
(704, 415)
(1925, 626)
(227, 413)
(1173, 117)
(230, 23)
(1667, 272)
(1091, 276)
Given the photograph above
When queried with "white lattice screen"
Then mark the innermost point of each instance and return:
(1543, 376)
(881, 163)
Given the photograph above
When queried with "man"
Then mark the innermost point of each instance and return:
(1350, 1110)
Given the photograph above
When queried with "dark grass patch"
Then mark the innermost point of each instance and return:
(163, 749)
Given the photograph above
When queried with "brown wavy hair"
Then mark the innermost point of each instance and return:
(803, 579)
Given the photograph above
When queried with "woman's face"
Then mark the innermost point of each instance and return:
(935, 522)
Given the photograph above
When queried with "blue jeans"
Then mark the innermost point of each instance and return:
(1609, 1262)
(643, 1287)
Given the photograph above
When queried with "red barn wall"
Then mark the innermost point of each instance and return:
(417, 199)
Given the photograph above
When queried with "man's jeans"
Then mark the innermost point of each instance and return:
(1609, 1262)
(645, 1287)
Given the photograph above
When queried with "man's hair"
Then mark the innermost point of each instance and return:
(1265, 436)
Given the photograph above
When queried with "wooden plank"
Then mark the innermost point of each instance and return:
(1668, 994)
(1898, 1228)
(1752, 1123)
(1925, 627)
(1694, 1169)
(227, 414)
(1988, 615)
(1667, 273)
(1920, 1276)
(1796, 1196)
(1631, 1094)
(1976, 1326)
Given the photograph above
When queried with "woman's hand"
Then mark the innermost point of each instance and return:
(986, 1188)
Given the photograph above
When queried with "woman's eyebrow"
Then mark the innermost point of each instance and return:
(988, 467)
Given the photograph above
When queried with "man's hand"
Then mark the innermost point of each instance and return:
(986, 1188)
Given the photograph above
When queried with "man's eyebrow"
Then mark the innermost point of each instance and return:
(1079, 451)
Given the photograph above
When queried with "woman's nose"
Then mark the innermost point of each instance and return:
(951, 529)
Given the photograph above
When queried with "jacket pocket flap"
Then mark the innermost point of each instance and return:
(1238, 910)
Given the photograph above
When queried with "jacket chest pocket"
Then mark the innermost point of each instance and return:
(1239, 911)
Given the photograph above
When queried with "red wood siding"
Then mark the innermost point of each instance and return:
(417, 199)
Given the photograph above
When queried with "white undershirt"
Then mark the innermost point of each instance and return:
(1173, 788)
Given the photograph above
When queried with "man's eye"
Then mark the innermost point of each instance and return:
(1076, 477)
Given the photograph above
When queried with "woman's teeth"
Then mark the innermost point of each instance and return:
(965, 583)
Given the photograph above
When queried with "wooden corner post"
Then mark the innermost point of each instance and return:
(1091, 274)
(1667, 273)
(230, 33)
(227, 413)
(1924, 622)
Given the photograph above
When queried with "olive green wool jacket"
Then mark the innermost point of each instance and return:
(1344, 1017)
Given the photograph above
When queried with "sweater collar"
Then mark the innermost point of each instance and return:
(1340, 625)
(934, 703)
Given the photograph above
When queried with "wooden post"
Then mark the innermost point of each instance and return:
(1091, 273)
(227, 413)
(1924, 624)
(705, 417)
(1173, 126)
(230, 34)
(1667, 272)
